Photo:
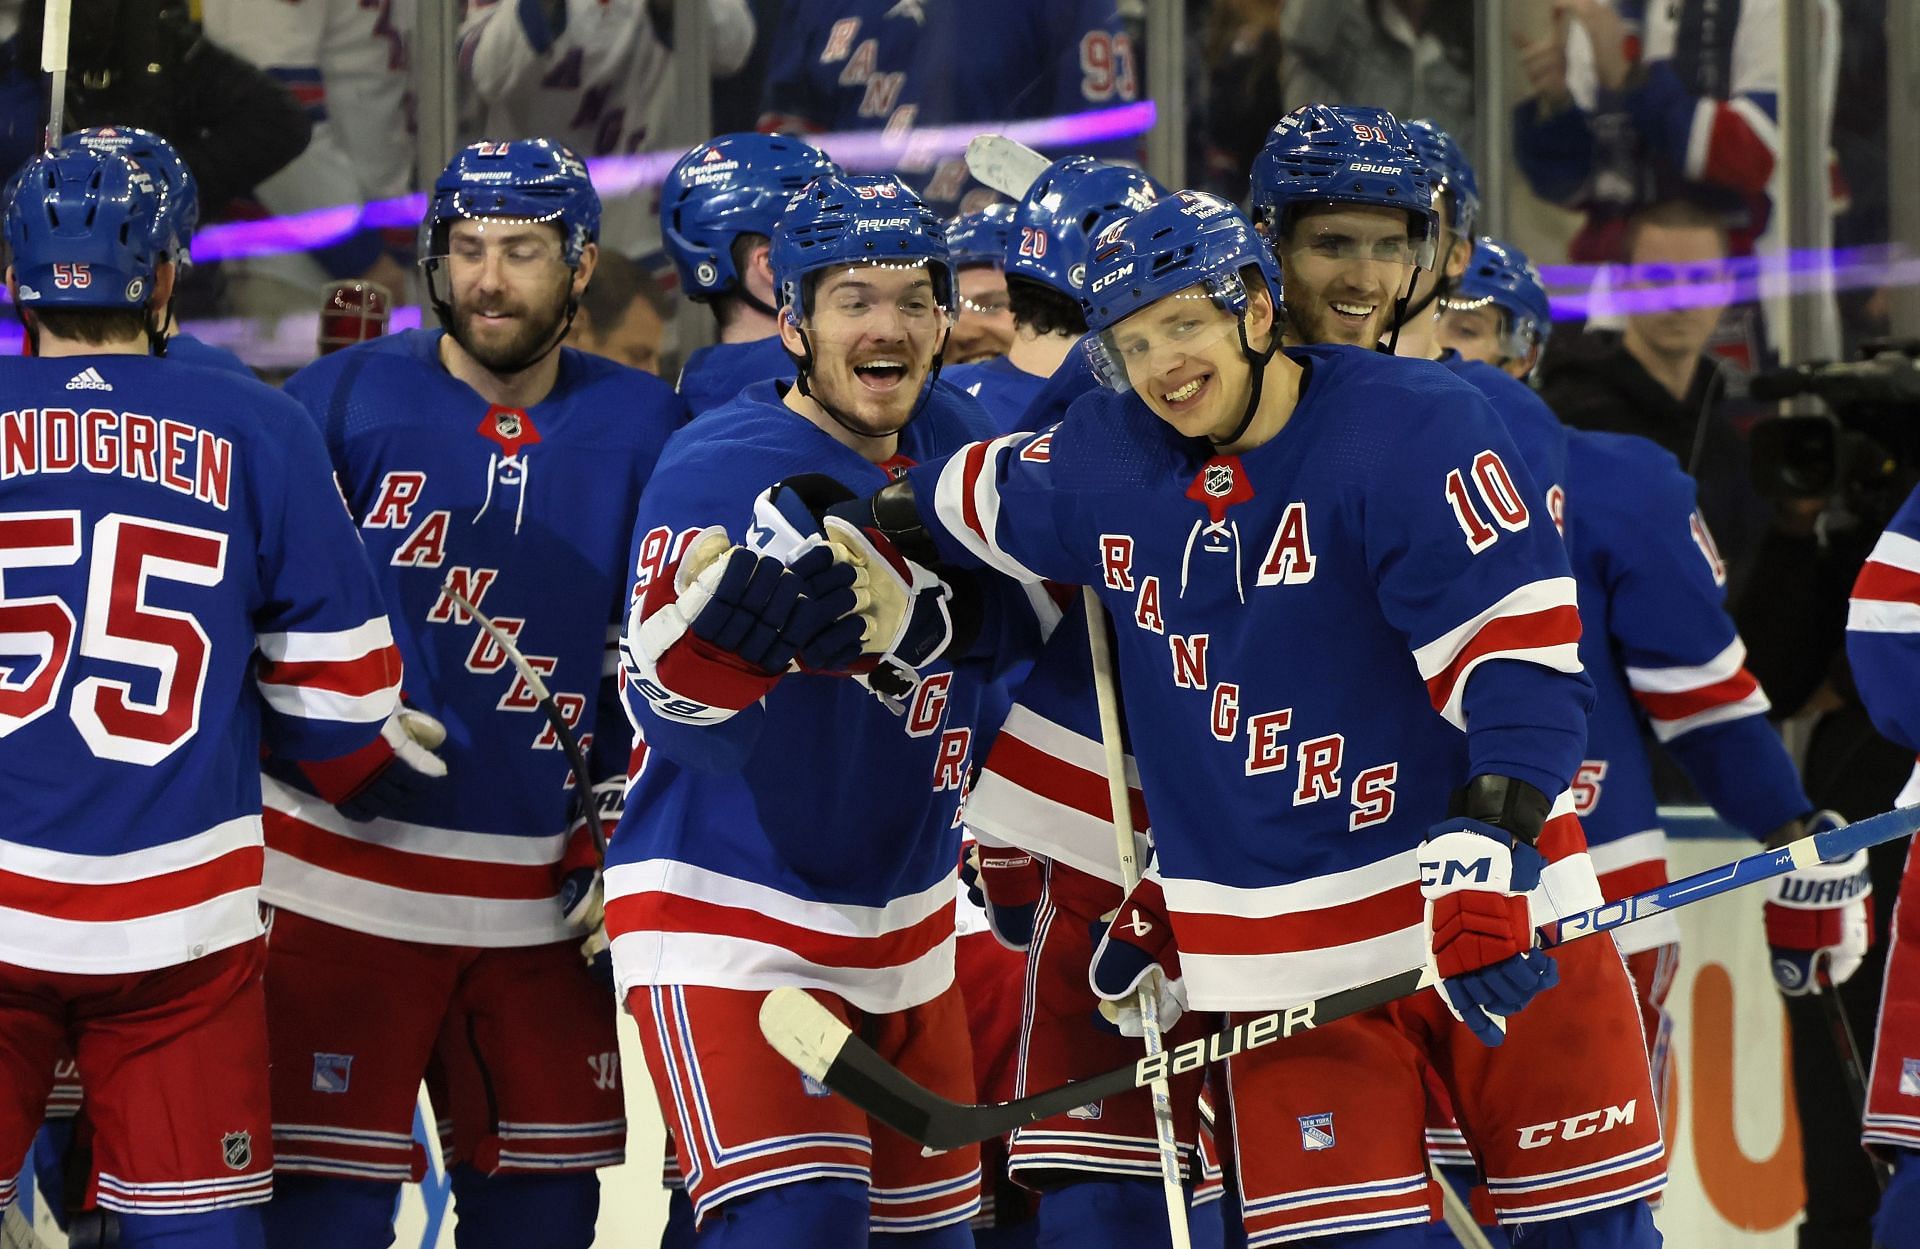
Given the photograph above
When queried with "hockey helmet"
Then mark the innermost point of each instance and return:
(180, 194)
(1452, 174)
(856, 219)
(83, 231)
(1326, 154)
(733, 185)
(522, 180)
(1067, 207)
(1499, 274)
(981, 238)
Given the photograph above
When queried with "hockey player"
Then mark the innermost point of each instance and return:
(585, 71)
(1045, 261)
(179, 215)
(1883, 645)
(183, 583)
(717, 212)
(1497, 311)
(784, 826)
(1260, 525)
(977, 244)
(438, 931)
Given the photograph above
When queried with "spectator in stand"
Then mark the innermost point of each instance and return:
(623, 315)
(348, 65)
(1654, 377)
(1233, 87)
(1413, 58)
(585, 72)
(147, 63)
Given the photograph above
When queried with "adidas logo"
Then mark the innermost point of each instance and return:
(89, 379)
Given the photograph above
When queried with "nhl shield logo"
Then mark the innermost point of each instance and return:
(237, 1149)
(507, 425)
(1219, 480)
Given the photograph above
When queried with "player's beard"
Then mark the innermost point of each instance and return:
(535, 328)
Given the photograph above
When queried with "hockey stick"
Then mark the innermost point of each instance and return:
(16, 1232)
(1853, 1069)
(809, 1037)
(1148, 996)
(1459, 1218)
(53, 60)
(1006, 165)
(576, 759)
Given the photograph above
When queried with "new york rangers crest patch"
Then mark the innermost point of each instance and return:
(813, 1088)
(1316, 1131)
(332, 1073)
(237, 1149)
(1910, 1077)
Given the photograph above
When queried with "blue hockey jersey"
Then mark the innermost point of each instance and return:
(1883, 634)
(1384, 535)
(716, 374)
(1004, 389)
(811, 839)
(1536, 431)
(180, 581)
(840, 64)
(186, 349)
(527, 513)
(1664, 656)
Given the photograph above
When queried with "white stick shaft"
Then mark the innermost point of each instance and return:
(53, 59)
(1119, 797)
(1459, 1218)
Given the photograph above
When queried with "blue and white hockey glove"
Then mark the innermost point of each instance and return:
(1005, 883)
(904, 606)
(720, 632)
(1475, 877)
(388, 773)
(1819, 918)
(1137, 943)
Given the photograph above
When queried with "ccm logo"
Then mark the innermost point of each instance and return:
(1440, 875)
(1591, 1123)
(1108, 279)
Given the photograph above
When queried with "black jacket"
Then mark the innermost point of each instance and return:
(1592, 382)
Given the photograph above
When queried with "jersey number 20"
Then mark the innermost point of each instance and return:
(120, 627)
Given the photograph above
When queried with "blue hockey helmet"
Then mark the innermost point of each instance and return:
(855, 219)
(1452, 174)
(1499, 274)
(1326, 154)
(981, 238)
(523, 180)
(1069, 205)
(180, 198)
(82, 231)
(1190, 238)
(732, 185)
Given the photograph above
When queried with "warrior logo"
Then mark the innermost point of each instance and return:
(237, 1149)
(606, 1070)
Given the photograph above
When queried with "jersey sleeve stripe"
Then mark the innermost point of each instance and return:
(1876, 616)
(1897, 550)
(1739, 694)
(966, 502)
(1537, 623)
(305, 645)
(306, 703)
(1667, 725)
(1725, 666)
(406, 869)
(235, 870)
(1887, 583)
(374, 673)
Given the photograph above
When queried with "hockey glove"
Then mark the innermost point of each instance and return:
(1475, 877)
(1005, 883)
(388, 773)
(1137, 943)
(1818, 918)
(719, 633)
(903, 606)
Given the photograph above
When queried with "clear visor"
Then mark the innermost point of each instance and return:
(1335, 243)
(1162, 345)
(1482, 321)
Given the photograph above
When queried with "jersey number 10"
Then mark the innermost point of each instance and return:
(120, 627)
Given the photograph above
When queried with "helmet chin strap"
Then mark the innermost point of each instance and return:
(1257, 360)
(803, 362)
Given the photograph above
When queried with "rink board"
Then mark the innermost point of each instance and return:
(1735, 1141)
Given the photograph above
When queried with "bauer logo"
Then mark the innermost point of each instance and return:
(1316, 1132)
(1910, 1077)
(1360, 167)
(332, 1073)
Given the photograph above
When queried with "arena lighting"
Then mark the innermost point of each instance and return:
(860, 150)
(1853, 269)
